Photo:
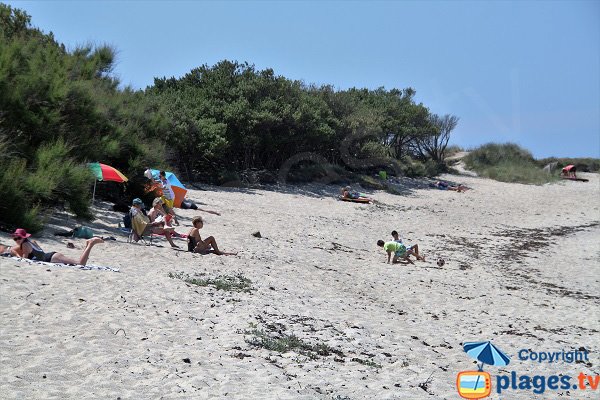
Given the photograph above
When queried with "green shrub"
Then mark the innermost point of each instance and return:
(229, 178)
(311, 172)
(12, 187)
(417, 168)
(283, 343)
(231, 283)
(433, 168)
(51, 179)
(492, 154)
(30, 219)
(369, 182)
(506, 163)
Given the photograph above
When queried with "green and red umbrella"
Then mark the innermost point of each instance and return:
(105, 172)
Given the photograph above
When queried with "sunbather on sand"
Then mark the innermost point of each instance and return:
(446, 186)
(348, 193)
(197, 245)
(30, 249)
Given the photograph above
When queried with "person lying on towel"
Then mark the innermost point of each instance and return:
(30, 249)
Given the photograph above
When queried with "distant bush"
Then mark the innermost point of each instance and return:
(506, 162)
(582, 164)
(369, 182)
(310, 172)
(417, 168)
(452, 150)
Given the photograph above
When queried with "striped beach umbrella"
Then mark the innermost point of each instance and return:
(486, 353)
(105, 172)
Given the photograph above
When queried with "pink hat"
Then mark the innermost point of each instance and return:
(22, 233)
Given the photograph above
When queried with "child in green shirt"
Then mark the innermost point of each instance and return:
(399, 250)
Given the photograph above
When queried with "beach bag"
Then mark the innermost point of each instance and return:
(83, 232)
(127, 220)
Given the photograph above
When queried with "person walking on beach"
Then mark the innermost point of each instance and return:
(30, 249)
(399, 250)
(208, 245)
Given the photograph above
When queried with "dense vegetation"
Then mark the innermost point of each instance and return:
(230, 118)
(60, 109)
(507, 163)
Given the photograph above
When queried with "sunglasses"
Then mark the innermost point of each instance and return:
(16, 239)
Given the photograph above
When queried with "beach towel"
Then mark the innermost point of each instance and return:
(88, 267)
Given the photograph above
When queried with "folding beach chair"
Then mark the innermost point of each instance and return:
(134, 237)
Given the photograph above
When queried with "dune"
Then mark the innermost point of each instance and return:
(310, 310)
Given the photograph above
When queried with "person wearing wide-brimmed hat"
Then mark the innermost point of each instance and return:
(27, 248)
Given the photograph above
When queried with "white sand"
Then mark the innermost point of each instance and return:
(521, 270)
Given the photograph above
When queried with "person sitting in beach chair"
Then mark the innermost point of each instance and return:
(197, 245)
(401, 253)
(414, 248)
(30, 249)
(141, 225)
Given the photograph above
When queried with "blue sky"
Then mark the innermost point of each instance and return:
(524, 71)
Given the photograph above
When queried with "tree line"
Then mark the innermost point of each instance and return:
(62, 108)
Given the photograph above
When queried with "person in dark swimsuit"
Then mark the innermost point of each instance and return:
(208, 245)
(30, 249)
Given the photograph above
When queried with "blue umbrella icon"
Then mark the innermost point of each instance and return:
(486, 353)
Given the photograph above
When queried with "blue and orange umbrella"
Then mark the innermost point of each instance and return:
(178, 187)
(104, 172)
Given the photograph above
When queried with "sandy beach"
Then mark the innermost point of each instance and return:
(521, 270)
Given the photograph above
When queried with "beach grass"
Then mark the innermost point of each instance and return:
(507, 163)
(229, 283)
(283, 343)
